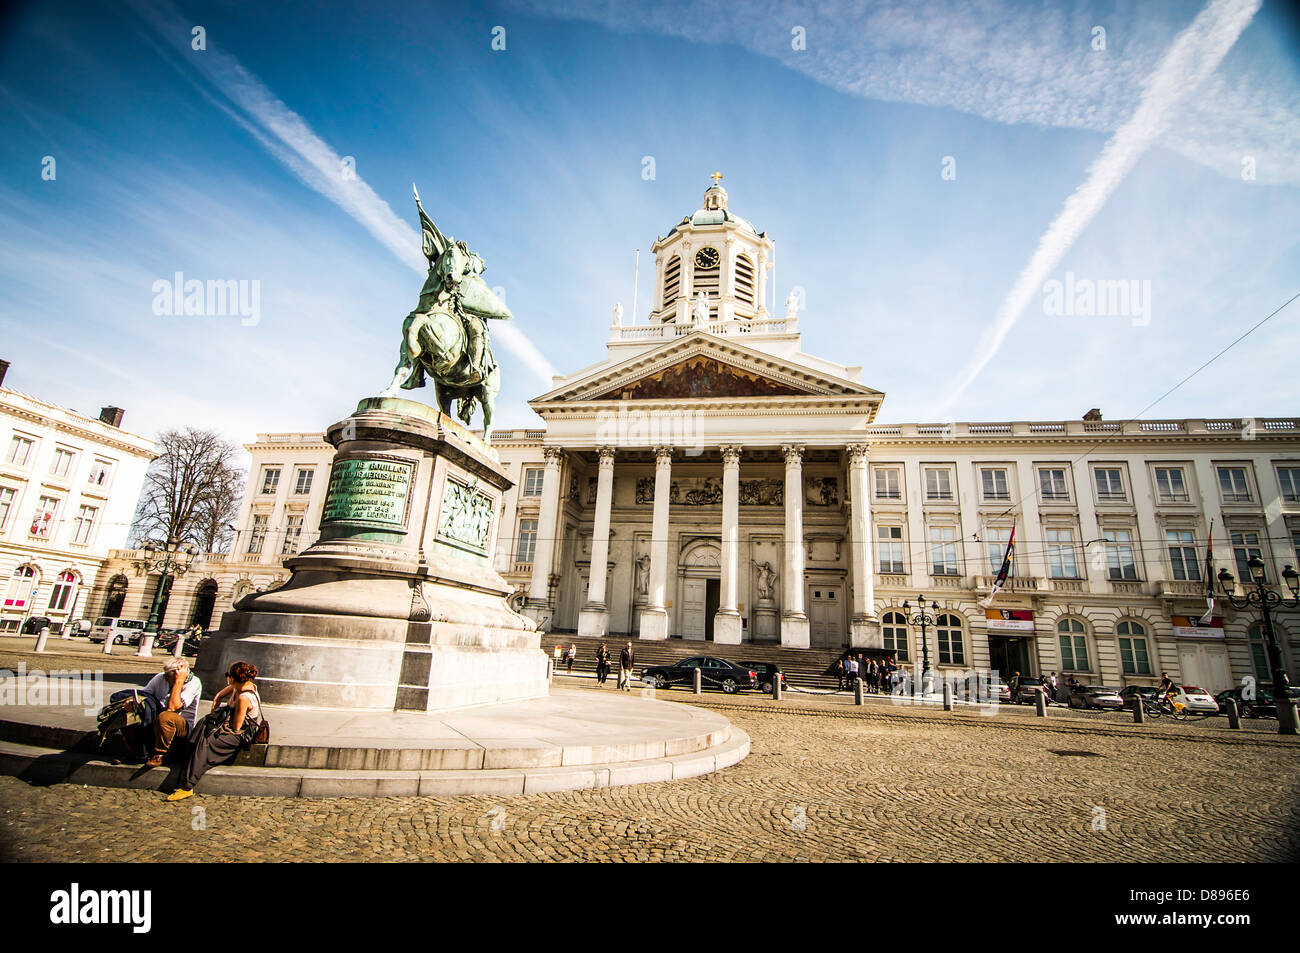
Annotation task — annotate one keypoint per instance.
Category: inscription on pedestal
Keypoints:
(372, 491)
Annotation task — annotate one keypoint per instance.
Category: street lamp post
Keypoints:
(1268, 599)
(922, 618)
(172, 558)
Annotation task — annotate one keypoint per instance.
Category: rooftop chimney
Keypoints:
(112, 416)
(4, 369)
(1094, 414)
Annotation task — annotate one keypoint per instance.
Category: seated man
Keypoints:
(176, 690)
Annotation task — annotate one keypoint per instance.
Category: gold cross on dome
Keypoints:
(716, 177)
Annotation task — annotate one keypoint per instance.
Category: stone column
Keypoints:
(726, 621)
(593, 617)
(538, 607)
(685, 292)
(864, 628)
(654, 617)
(760, 300)
(794, 622)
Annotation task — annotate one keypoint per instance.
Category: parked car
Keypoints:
(1003, 691)
(715, 672)
(77, 628)
(1196, 700)
(1095, 696)
(1129, 692)
(166, 642)
(1027, 690)
(34, 625)
(1259, 706)
(119, 630)
(766, 672)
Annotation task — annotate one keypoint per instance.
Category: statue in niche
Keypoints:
(767, 577)
(643, 574)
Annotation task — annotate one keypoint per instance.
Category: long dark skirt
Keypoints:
(212, 747)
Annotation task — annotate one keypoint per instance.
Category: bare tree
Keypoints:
(191, 491)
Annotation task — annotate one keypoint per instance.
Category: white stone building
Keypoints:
(68, 490)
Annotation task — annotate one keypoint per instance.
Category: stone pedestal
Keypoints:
(766, 621)
(396, 606)
(726, 627)
(654, 623)
(864, 633)
(593, 621)
(795, 632)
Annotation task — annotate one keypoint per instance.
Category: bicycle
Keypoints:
(1164, 706)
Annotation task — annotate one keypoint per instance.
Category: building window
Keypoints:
(61, 595)
(943, 551)
(258, 533)
(84, 524)
(996, 545)
(888, 485)
(894, 629)
(43, 522)
(1133, 655)
(745, 280)
(1060, 554)
(7, 495)
(1110, 484)
(1182, 554)
(1052, 485)
(302, 485)
(533, 481)
(1258, 653)
(292, 535)
(1289, 479)
(1120, 554)
(938, 484)
(62, 465)
(672, 280)
(951, 649)
(890, 544)
(1295, 539)
(527, 541)
(1233, 486)
(20, 587)
(1170, 485)
(20, 448)
(1074, 645)
(270, 479)
(994, 484)
(99, 471)
(1244, 547)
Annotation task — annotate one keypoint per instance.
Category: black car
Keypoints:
(1145, 692)
(714, 673)
(166, 642)
(1260, 706)
(766, 672)
(1027, 690)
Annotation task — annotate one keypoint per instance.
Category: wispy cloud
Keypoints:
(1194, 55)
(288, 137)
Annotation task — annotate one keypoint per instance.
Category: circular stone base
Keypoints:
(567, 741)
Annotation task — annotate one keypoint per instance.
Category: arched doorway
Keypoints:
(205, 599)
(116, 596)
(699, 582)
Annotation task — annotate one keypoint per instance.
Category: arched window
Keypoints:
(1133, 653)
(21, 584)
(1072, 635)
(63, 595)
(1259, 652)
(116, 596)
(952, 650)
(672, 280)
(745, 280)
(894, 629)
(205, 599)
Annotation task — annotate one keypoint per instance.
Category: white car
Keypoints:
(1197, 701)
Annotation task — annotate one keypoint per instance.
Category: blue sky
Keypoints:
(1120, 163)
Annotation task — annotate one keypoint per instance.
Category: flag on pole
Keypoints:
(1003, 571)
(1209, 577)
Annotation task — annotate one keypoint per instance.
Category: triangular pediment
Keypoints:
(702, 367)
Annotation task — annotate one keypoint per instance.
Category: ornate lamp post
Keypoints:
(922, 618)
(1267, 599)
(166, 559)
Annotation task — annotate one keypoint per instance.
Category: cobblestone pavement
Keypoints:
(822, 783)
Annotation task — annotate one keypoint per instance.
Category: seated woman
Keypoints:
(218, 738)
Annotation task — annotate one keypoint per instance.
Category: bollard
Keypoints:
(41, 637)
(108, 643)
(1288, 716)
(776, 687)
(1234, 716)
(550, 665)
(1040, 704)
(947, 695)
(857, 692)
(1139, 715)
(699, 682)
(146, 646)
(179, 647)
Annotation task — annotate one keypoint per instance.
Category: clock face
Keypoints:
(707, 258)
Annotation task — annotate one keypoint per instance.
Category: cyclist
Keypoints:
(1166, 689)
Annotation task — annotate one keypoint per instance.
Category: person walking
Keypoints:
(839, 673)
(571, 656)
(602, 664)
(626, 658)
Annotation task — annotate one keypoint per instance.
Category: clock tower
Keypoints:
(715, 254)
